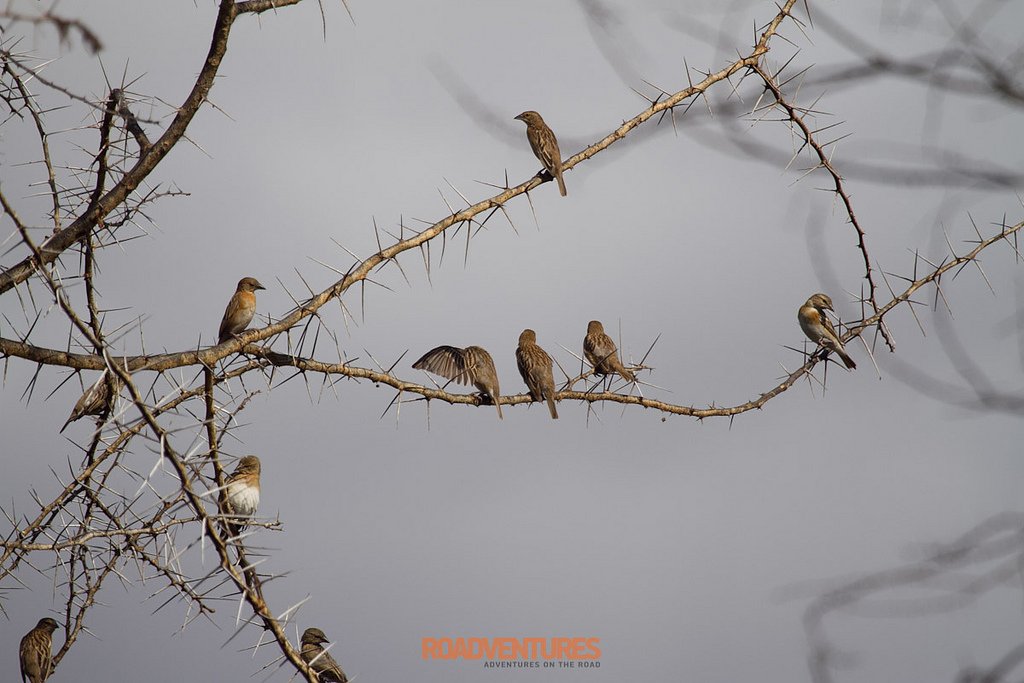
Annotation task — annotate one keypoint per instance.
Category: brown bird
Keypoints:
(96, 400)
(535, 367)
(601, 352)
(243, 492)
(819, 330)
(471, 365)
(241, 309)
(544, 145)
(36, 652)
(320, 659)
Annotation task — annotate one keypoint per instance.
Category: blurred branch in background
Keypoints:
(971, 65)
(943, 579)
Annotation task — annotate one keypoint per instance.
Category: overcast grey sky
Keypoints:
(677, 543)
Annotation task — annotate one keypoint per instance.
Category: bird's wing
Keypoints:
(522, 364)
(830, 331)
(603, 348)
(449, 362)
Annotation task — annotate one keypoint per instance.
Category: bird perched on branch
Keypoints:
(320, 659)
(243, 492)
(241, 309)
(544, 145)
(601, 352)
(471, 365)
(536, 368)
(97, 399)
(35, 652)
(819, 330)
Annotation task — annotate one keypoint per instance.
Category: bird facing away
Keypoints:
(471, 365)
(35, 652)
(324, 664)
(243, 491)
(819, 330)
(535, 367)
(544, 145)
(96, 399)
(241, 308)
(601, 353)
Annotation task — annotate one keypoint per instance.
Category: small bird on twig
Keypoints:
(243, 492)
(241, 309)
(35, 652)
(601, 352)
(536, 368)
(819, 330)
(544, 145)
(320, 659)
(96, 400)
(471, 365)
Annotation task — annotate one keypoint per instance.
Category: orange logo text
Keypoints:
(511, 648)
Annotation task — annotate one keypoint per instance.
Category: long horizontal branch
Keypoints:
(432, 393)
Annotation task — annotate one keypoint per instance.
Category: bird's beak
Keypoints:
(519, 118)
(259, 286)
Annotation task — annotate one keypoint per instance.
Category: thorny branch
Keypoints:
(151, 157)
(796, 116)
(127, 535)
